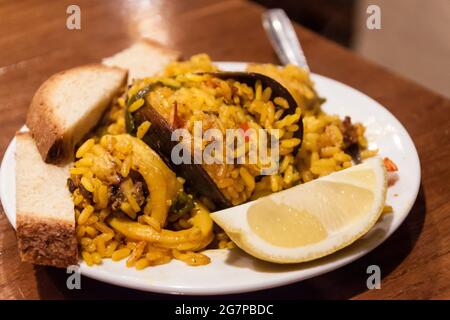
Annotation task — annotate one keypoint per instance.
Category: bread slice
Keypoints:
(143, 59)
(68, 105)
(45, 221)
(63, 110)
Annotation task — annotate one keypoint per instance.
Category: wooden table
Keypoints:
(35, 43)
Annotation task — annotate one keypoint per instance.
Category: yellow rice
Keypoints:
(322, 152)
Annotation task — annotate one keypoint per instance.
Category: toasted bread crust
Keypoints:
(43, 124)
(46, 129)
(46, 241)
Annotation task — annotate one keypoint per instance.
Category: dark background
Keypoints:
(330, 18)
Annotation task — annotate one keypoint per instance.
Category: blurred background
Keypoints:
(414, 39)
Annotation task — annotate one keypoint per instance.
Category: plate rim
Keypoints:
(105, 276)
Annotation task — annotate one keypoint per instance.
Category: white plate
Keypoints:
(233, 271)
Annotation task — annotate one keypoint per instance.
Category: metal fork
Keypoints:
(283, 38)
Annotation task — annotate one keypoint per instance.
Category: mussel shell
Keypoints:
(158, 137)
(278, 90)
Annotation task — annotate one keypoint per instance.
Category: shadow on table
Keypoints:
(343, 283)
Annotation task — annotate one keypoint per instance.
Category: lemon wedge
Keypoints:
(311, 220)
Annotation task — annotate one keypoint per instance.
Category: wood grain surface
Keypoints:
(35, 43)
